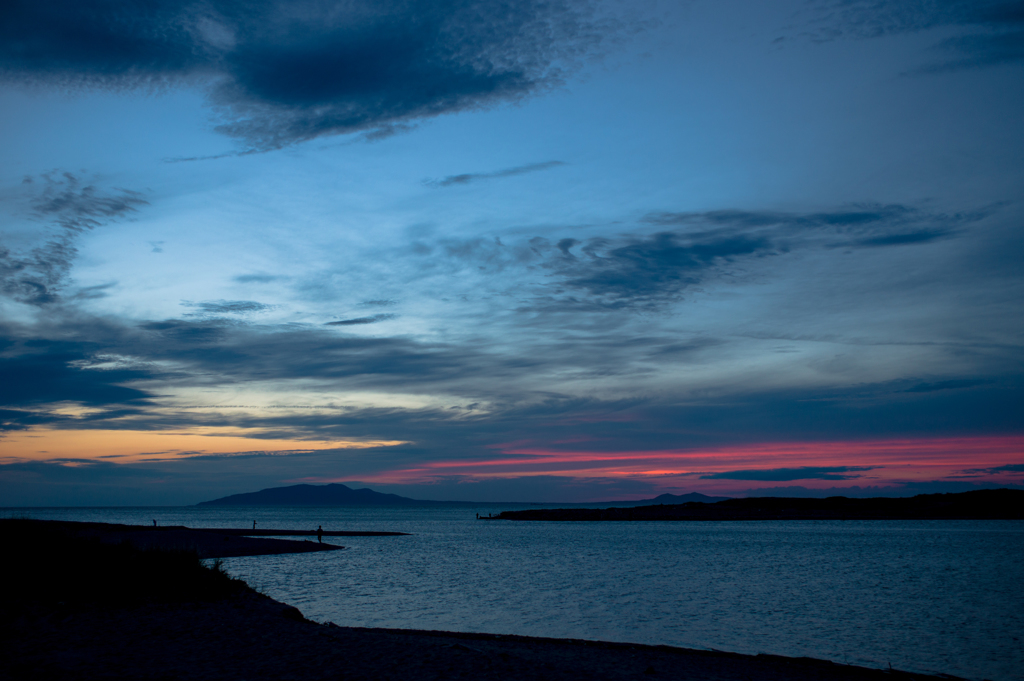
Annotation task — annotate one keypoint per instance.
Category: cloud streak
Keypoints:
(467, 178)
(645, 269)
(787, 474)
(358, 321)
(216, 308)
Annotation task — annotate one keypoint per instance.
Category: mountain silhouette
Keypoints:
(334, 494)
(679, 499)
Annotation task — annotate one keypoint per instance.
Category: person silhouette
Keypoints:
(320, 534)
(154, 523)
(254, 524)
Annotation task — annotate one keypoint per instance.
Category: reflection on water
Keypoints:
(927, 596)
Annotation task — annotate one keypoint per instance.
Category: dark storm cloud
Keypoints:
(67, 205)
(993, 30)
(785, 474)
(287, 72)
(362, 320)
(466, 178)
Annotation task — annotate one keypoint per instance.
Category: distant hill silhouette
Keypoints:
(680, 499)
(334, 494)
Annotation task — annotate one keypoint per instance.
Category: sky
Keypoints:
(542, 250)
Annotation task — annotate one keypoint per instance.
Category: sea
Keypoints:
(926, 596)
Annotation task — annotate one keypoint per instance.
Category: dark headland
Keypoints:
(76, 608)
(996, 504)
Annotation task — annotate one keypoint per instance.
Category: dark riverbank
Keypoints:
(997, 504)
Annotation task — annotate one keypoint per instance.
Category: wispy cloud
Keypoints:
(67, 205)
(1009, 468)
(75, 205)
(785, 474)
(357, 321)
(645, 269)
(466, 178)
(216, 308)
(952, 384)
(991, 30)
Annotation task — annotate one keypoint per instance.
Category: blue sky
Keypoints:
(531, 251)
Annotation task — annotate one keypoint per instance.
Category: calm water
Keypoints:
(925, 596)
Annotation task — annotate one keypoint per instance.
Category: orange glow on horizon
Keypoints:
(133, 446)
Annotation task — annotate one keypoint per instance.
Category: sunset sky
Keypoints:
(535, 250)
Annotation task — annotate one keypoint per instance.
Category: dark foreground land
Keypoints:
(994, 504)
(76, 608)
(214, 543)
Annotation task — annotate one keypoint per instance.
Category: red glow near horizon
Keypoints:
(890, 461)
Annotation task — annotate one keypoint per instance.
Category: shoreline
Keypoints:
(207, 543)
(250, 635)
(78, 608)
